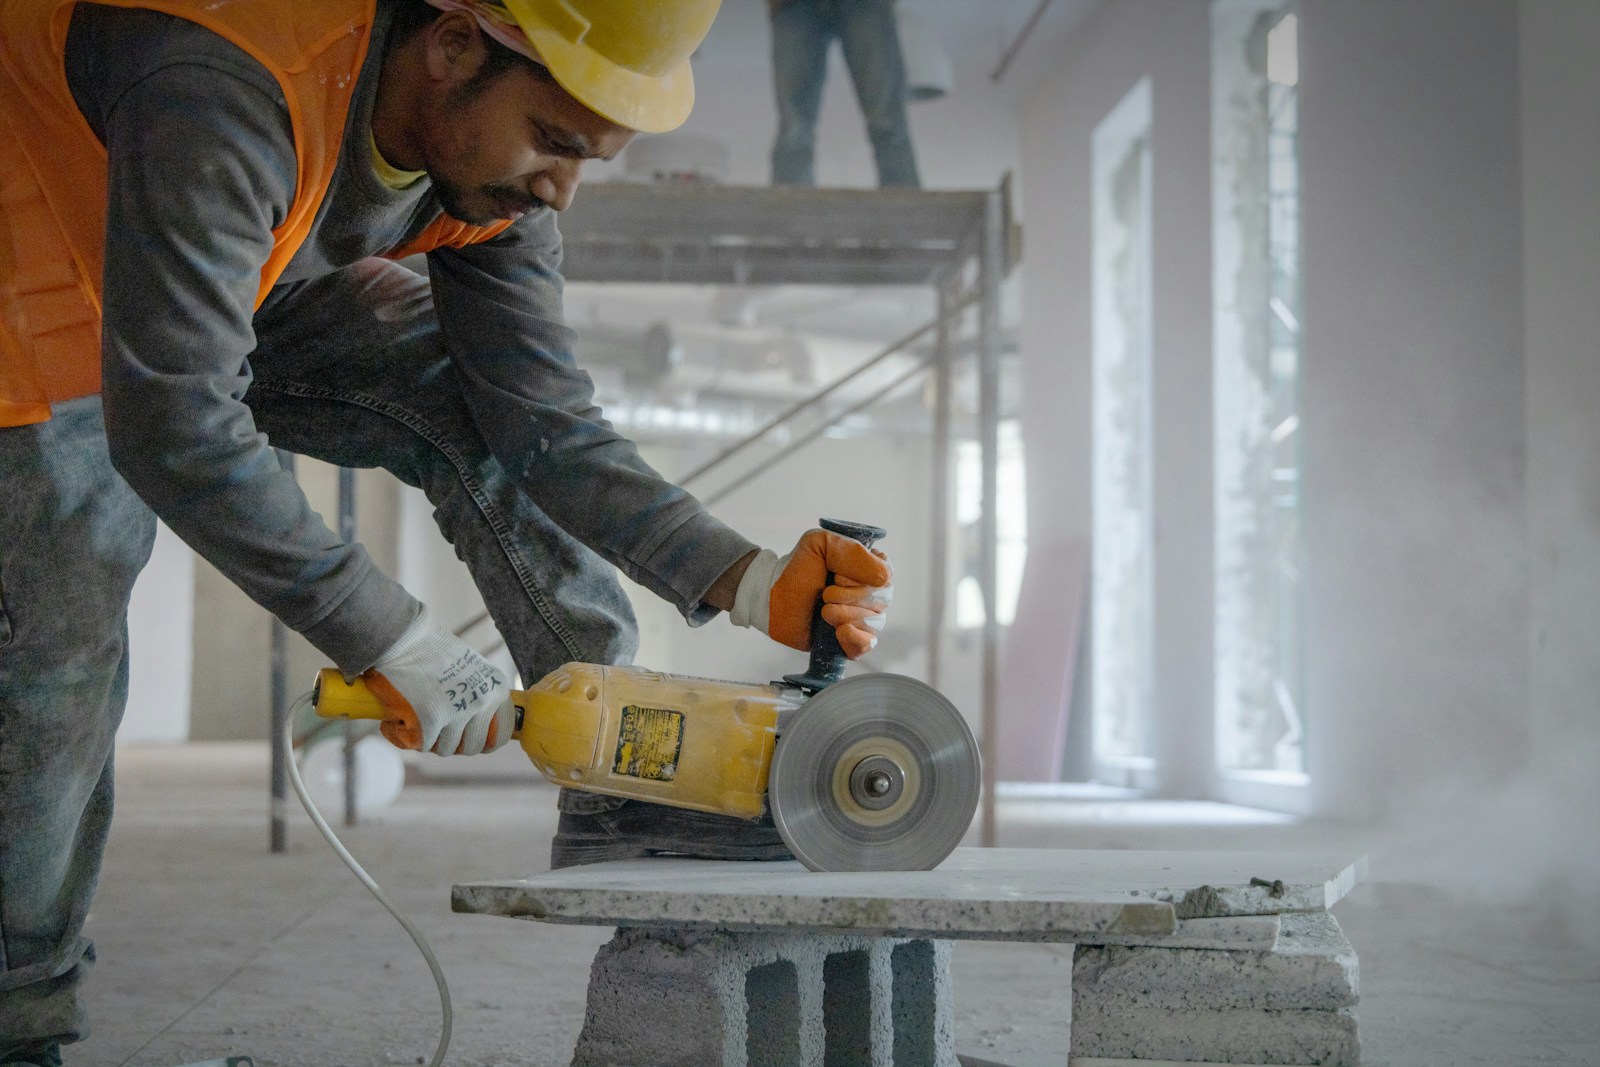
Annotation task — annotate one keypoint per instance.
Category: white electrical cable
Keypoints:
(350, 861)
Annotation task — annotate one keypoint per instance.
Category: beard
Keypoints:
(454, 199)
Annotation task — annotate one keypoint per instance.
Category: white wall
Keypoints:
(1560, 60)
(1121, 43)
(1451, 452)
(1457, 247)
(161, 644)
(1413, 398)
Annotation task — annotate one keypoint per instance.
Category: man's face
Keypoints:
(500, 147)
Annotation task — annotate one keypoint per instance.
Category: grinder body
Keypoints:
(631, 732)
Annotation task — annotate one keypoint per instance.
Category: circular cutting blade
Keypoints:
(875, 773)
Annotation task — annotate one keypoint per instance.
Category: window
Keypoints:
(1011, 521)
(1260, 546)
(1121, 598)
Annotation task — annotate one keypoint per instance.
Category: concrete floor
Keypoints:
(210, 946)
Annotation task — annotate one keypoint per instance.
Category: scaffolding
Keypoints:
(959, 243)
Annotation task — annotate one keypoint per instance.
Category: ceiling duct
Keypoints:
(676, 158)
(660, 355)
(930, 73)
(733, 359)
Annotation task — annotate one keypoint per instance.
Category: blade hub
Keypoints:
(877, 757)
(877, 782)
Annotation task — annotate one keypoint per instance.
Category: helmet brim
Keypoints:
(643, 102)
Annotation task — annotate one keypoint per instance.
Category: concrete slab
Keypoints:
(1097, 1061)
(978, 894)
(1257, 933)
(1314, 968)
(1240, 1035)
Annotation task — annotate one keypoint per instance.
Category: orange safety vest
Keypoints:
(53, 175)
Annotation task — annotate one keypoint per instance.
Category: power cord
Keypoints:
(322, 826)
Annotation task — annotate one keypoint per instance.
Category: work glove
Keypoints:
(439, 695)
(778, 594)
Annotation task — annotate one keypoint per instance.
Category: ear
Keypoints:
(454, 47)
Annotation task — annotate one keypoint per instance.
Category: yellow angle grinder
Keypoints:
(878, 772)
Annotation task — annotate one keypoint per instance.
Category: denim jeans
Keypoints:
(349, 368)
(73, 537)
(802, 31)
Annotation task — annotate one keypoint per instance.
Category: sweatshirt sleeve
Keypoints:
(201, 168)
(499, 307)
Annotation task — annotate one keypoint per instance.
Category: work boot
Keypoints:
(594, 828)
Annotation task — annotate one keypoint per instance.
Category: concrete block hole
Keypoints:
(913, 970)
(847, 1009)
(772, 1015)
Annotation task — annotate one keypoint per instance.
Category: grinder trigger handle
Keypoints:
(334, 698)
(827, 658)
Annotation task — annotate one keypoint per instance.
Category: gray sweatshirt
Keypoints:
(201, 168)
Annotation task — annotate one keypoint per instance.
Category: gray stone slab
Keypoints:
(977, 894)
(1096, 1061)
(1282, 883)
(1241, 1036)
(1312, 934)
(1312, 968)
(1257, 933)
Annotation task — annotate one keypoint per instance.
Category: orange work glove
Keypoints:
(778, 595)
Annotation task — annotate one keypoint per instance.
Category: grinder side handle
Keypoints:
(827, 658)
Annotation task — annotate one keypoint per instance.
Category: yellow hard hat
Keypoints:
(625, 60)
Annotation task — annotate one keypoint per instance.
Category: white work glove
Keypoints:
(777, 594)
(439, 695)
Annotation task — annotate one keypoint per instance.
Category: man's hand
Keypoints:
(777, 595)
(439, 695)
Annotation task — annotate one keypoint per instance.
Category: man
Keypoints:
(191, 200)
(802, 33)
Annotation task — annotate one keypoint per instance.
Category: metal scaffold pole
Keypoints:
(347, 531)
(939, 557)
(279, 696)
(990, 266)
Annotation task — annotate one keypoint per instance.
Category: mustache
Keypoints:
(518, 199)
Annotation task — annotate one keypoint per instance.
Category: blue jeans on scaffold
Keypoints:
(802, 31)
(349, 369)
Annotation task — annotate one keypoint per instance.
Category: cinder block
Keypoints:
(672, 998)
(1312, 967)
(1096, 1061)
(1234, 1036)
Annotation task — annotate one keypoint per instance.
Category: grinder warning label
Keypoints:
(648, 743)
